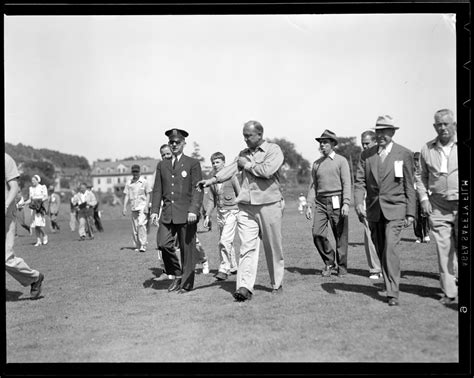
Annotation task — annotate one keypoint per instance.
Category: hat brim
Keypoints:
(379, 127)
(320, 139)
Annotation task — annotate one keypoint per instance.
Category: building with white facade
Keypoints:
(111, 176)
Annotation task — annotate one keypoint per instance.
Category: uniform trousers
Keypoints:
(325, 215)
(255, 223)
(85, 223)
(227, 224)
(386, 235)
(370, 250)
(139, 233)
(14, 265)
(186, 236)
(444, 226)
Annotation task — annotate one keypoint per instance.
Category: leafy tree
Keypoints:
(42, 168)
(197, 152)
(136, 157)
(348, 148)
(296, 162)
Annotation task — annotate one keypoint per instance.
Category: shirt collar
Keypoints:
(388, 148)
(177, 157)
(263, 147)
(332, 155)
(435, 142)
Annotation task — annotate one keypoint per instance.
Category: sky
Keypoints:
(110, 86)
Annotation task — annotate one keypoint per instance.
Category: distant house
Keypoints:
(111, 176)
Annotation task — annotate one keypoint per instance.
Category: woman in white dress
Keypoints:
(36, 202)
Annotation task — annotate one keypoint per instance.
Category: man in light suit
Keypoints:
(385, 172)
(175, 185)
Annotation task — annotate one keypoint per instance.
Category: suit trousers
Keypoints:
(370, 251)
(386, 235)
(227, 224)
(139, 233)
(444, 226)
(325, 215)
(14, 265)
(186, 236)
(255, 223)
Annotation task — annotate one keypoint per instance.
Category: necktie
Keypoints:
(383, 154)
(174, 163)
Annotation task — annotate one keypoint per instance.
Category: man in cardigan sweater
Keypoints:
(385, 172)
(330, 195)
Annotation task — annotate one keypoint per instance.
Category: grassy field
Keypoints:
(103, 302)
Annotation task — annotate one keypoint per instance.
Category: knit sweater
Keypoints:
(330, 176)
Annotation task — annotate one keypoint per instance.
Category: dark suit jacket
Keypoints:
(177, 189)
(394, 197)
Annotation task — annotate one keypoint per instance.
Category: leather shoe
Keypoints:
(392, 301)
(328, 269)
(277, 291)
(36, 287)
(220, 276)
(242, 294)
(175, 284)
(447, 300)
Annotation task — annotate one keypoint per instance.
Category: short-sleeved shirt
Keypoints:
(137, 192)
(11, 172)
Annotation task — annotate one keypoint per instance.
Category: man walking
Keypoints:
(137, 191)
(14, 265)
(438, 188)
(260, 208)
(385, 173)
(330, 195)
(175, 185)
(375, 272)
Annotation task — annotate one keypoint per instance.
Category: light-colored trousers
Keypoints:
(256, 222)
(370, 251)
(139, 233)
(14, 265)
(444, 226)
(227, 224)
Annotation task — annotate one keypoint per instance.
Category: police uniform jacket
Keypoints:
(177, 189)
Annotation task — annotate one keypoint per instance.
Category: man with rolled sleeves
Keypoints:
(175, 185)
(385, 172)
(438, 188)
(260, 205)
(330, 195)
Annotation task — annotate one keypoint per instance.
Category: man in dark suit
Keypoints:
(385, 172)
(175, 185)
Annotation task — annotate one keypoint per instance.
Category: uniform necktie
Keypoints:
(174, 163)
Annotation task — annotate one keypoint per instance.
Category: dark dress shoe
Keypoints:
(36, 287)
(328, 270)
(447, 300)
(220, 276)
(278, 291)
(392, 301)
(175, 284)
(242, 294)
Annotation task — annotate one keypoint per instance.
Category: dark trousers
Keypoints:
(421, 226)
(186, 236)
(325, 216)
(386, 235)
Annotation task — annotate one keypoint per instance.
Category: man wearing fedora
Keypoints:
(330, 196)
(385, 175)
(175, 185)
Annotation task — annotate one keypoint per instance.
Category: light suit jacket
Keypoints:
(393, 196)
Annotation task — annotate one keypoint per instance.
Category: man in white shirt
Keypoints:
(137, 192)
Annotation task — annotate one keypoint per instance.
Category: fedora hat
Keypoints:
(327, 134)
(385, 122)
(176, 134)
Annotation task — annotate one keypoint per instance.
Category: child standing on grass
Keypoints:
(222, 196)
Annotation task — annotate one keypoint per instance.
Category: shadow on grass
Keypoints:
(374, 291)
(414, 273)
(303, 271)
(355, 244)
(14, 296)
(132, 248)
(411, 240)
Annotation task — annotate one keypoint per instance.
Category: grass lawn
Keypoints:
(103, 302)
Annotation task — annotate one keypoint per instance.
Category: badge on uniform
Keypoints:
(184, 174)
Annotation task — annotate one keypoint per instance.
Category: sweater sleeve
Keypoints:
(346, 182)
